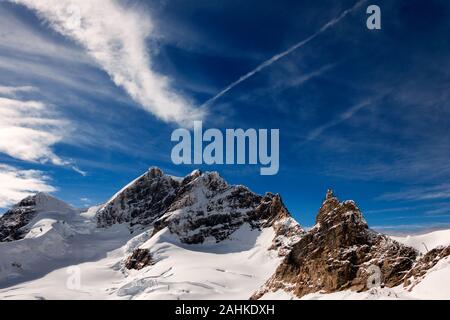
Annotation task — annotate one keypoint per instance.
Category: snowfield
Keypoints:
(43, 267)
(426, 242)
(232, 269)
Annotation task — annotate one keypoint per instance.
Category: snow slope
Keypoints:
(225, 270)
(56, 242)
(426, 242)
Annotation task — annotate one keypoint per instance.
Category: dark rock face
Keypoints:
(12, 223)
(428, 261)
(209, 208)
(140, 259)
(274, 214)
(142, 202)
(337, 254)
(200, 207)
(229, 210)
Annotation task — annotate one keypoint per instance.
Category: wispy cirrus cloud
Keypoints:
(348, 114)
(119, 49)
(16, 184)
(390, 210)
(435, 192)
(411, 229)
(29, 130)
(13, 91)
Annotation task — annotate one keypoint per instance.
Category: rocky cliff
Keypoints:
(340, 252)
(14, 220)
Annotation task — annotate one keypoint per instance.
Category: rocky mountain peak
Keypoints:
(29, 201)
(192, 176)
(333, 212)
(154, 172)
(329, 205)
(209, 180)
(195, 174)
(330, 194)
(208, 209)
(141, 202)
(200, 207)
(13, 224)
(338, 254)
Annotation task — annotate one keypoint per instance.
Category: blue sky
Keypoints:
(362, 111)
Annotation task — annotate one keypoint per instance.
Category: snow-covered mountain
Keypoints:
(200, 208)
(197, 237)
(15, 223)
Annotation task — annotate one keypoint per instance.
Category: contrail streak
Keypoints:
(277, 57)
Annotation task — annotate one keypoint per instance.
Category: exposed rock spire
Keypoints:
(337, 254)
(330, 194)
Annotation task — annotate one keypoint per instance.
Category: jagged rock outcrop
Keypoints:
(140, 259)
(12, 223)
(141, 202)
(425, 263)
(208, 208)
(340, 252)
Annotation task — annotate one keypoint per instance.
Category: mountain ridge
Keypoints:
(199, 207)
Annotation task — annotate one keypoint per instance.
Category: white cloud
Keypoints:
(435, 192)
(12, 91)
(24, 39)
(28, 131)
(16, 184)
(115, 37)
